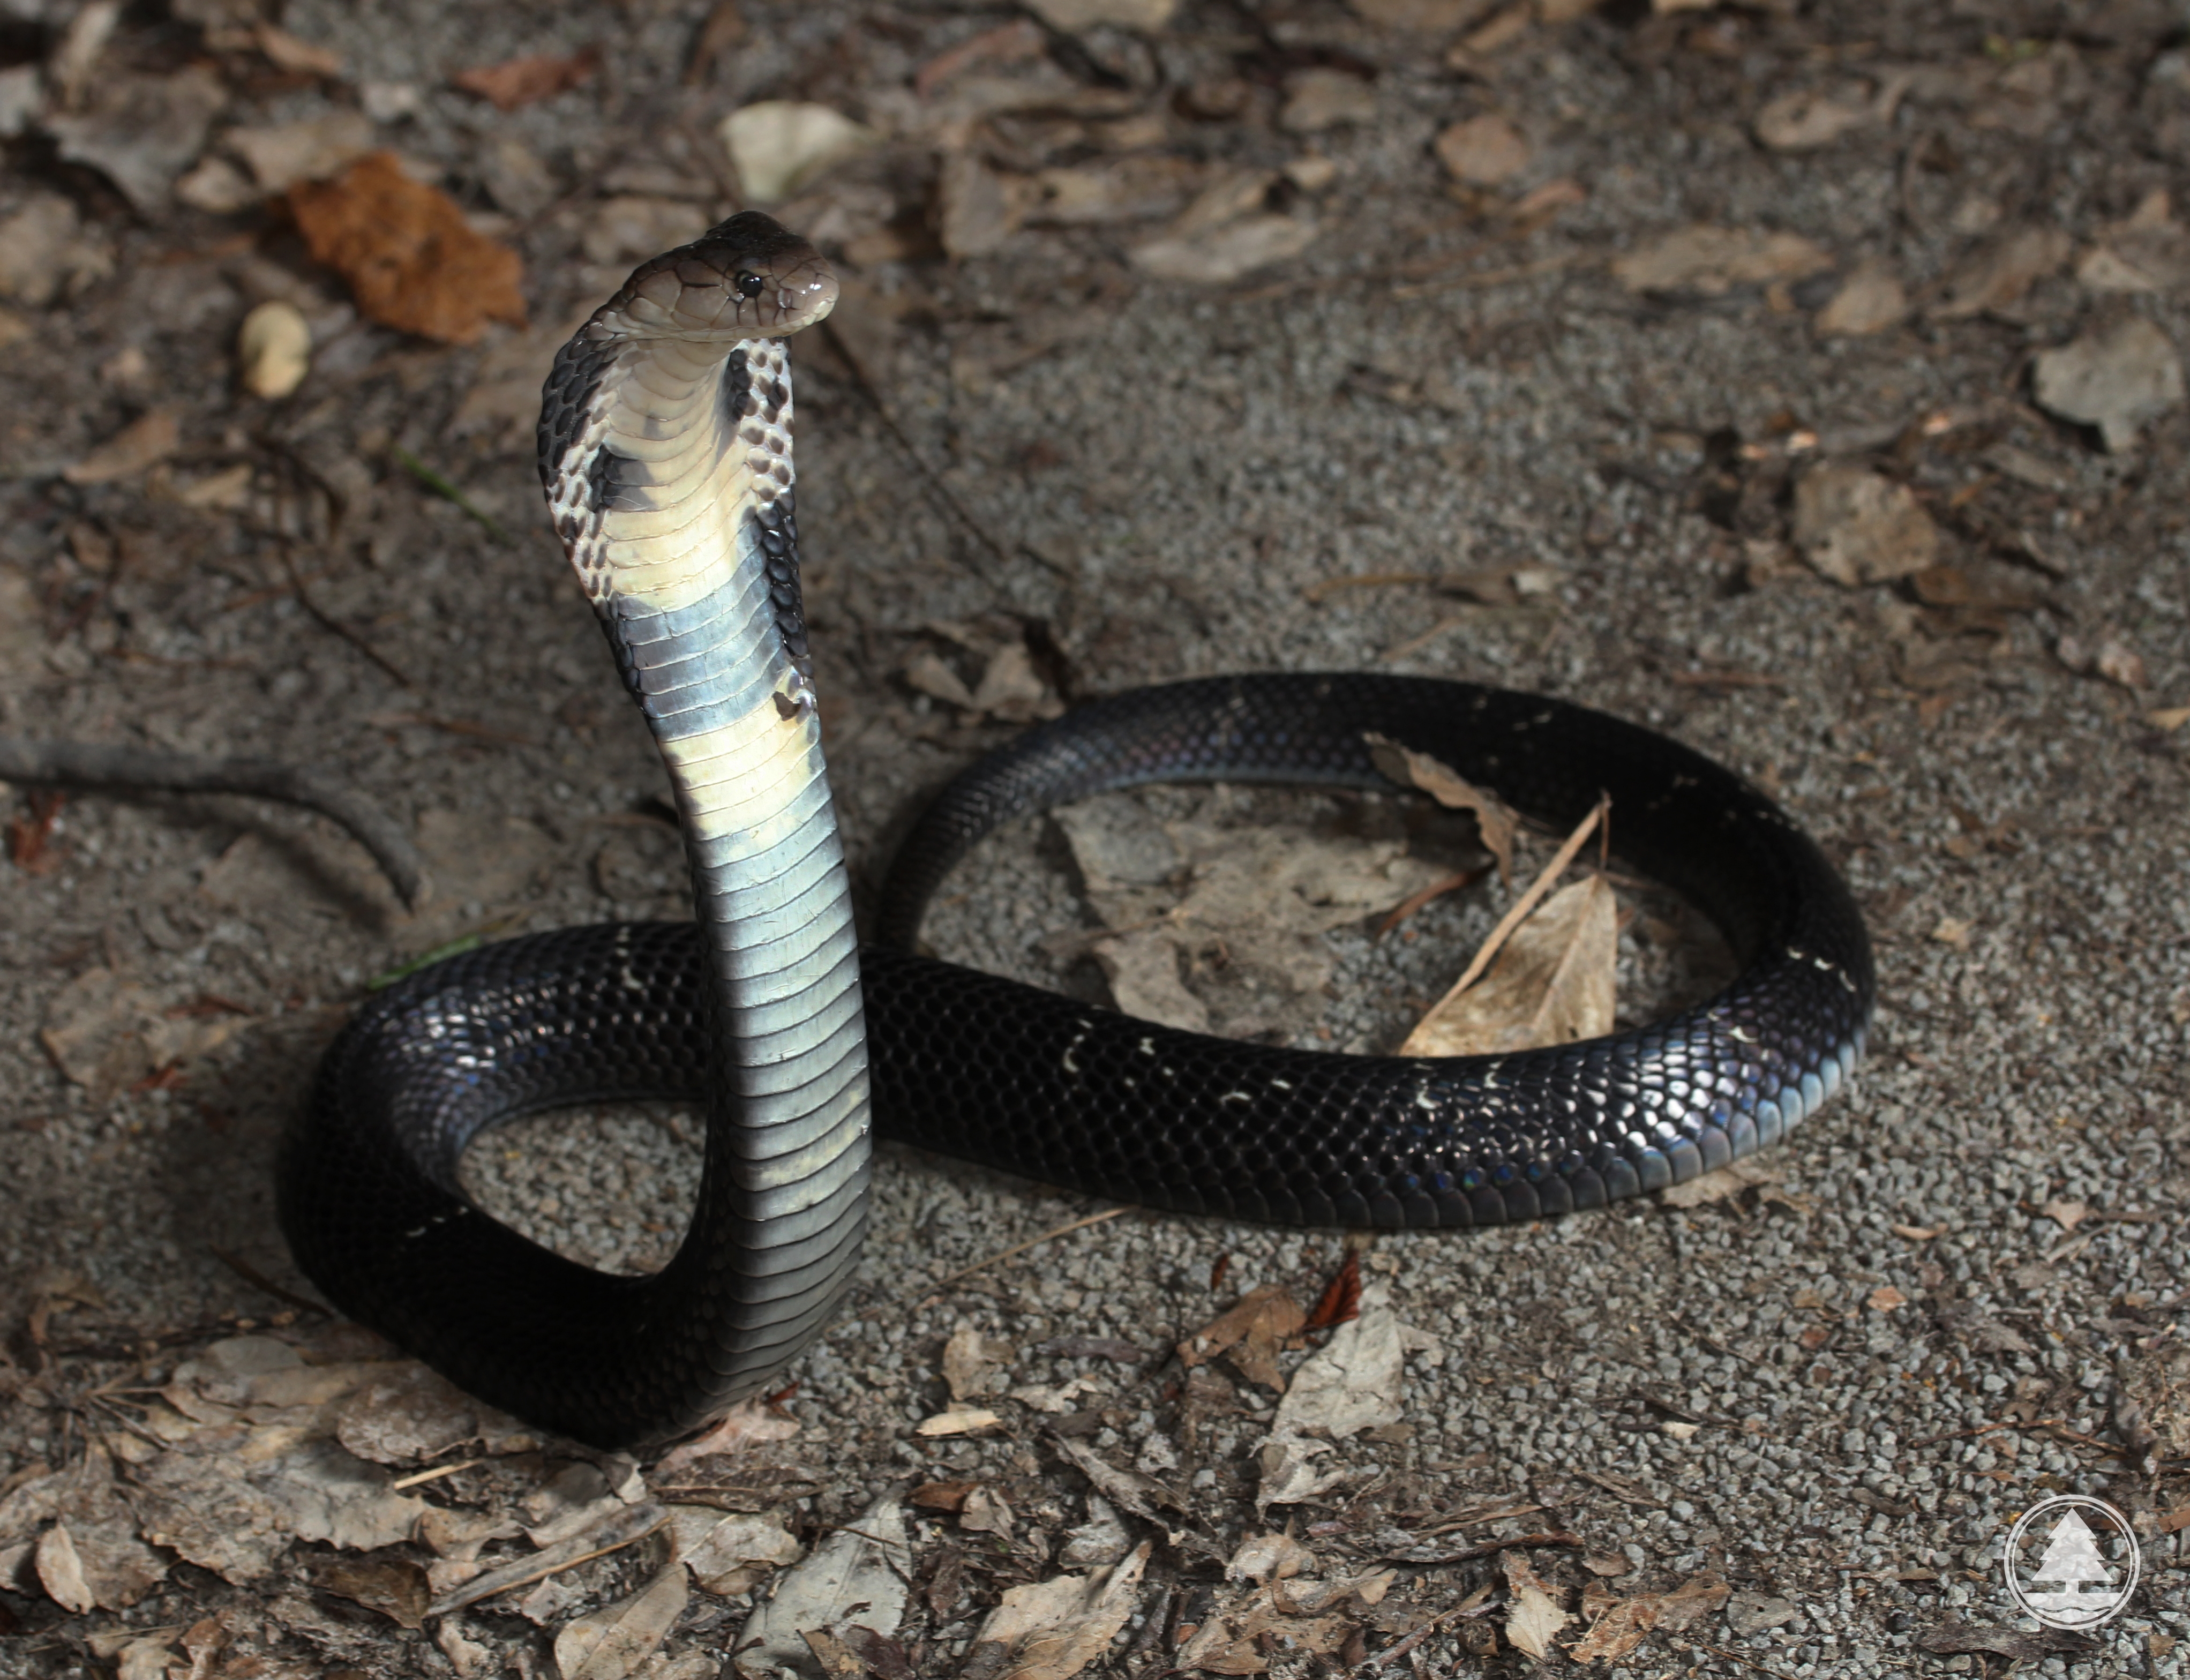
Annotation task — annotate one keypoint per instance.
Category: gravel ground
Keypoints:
(1138, 478)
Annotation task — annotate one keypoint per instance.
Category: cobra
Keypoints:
(665, 447)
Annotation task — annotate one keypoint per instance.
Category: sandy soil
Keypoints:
(1833, 1392)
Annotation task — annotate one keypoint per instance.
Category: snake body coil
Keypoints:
(665, 444)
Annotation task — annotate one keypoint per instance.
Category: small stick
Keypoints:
(1528, 900)
(1031, 1242)
(420, 1478)
(72, 764)
(334, 627)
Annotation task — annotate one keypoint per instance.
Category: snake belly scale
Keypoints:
(665, 451)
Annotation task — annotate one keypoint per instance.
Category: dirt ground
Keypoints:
(1800, 380)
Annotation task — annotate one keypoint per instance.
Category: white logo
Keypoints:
(2072, 1561)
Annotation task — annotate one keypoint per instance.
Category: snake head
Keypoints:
(749, 277)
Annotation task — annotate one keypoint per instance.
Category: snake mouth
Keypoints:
(748, 277)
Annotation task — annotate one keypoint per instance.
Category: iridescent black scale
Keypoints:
(1004, 1074)
(775, 531)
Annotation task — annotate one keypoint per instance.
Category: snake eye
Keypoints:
(749, 283)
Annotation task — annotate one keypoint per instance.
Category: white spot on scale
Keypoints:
(1235, 1097)
(1741, 1035)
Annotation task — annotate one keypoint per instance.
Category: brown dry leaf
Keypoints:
(141, 131)
(1226, 254)
(1051, 1630)
(284, 153)
(1871, 299)
(1497, 820)
(2150, 252)
(105, 1032)
(1317, 99)
(2115, 378)
(412, 261)
(1556, 981)
(1141, 968)
(730, 1553)
(748, 1424)
(1143, 1497)
(1884, 1299)
(779, 146)
(1265, 1320)
(1264, 1558)
(1690, 1601)
(1288, 1474)
(1533, 1614)
(615, 1640)
(972, 1362)
(150, 439)
(1616, 1628)
(1483, 151)
(978, 209)
(856, 1571)
(1296, 1619)
(1996, 275)
(61, 1571)
(2067, 1215)
(527, 80)
(1712, 260)
(1806, 121)
(1730, 1180)
(1010, 690)
(1856, 526)
(958, 1421)
(46, 252)
(1354, 1381)
(1072, 16)
(284, 51)
(395, 1586)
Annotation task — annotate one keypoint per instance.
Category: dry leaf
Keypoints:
(1423, 17)
(1355, 1380)
(412, 261)
(141, 131)
(1142, 968)
(729, 1552)
(1269, 1557)
(1953, 930)
(1555, 982)
(1215, 259)
(1712, 260)
(525, 81)
(1804, 122)
(1996, 275)
(145, 440)
(45, 253)
(1250, 1334)
(1051, 1630)
(61, 1571)
(2114, 378)
(1497, 820)
(1717, 1185)
(2067, 1215)
(1533, 1615)
(1870, 300)
(978, 209)
(613, 1641)
(1319, 99)
(959, 1420)
(395, 1586)
(779, 145)
(1483, 150)
(854, 1571)
(1289, 1475)
(285, 153)
(1885, 1299)
(972, 1362)
(284, 51)
(1072, 16)
(1856, 526)
(2150, 252)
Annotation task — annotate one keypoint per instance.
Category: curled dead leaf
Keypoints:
(411, 259)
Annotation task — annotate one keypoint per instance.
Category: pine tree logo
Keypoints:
(2072, 1561)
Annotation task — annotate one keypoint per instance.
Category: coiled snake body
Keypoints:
(665, 444)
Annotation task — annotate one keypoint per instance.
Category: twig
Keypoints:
(1031, 1242)
(1436, 889)
(420, 1478)
(334, 627)
(613, 1536)
(1461, 1612)
(258, 1280)
(72, 764)
(930, 480)
(1528, 900)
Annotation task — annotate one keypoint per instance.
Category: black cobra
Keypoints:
(665, 446)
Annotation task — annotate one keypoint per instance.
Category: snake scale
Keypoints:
(665, 447)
